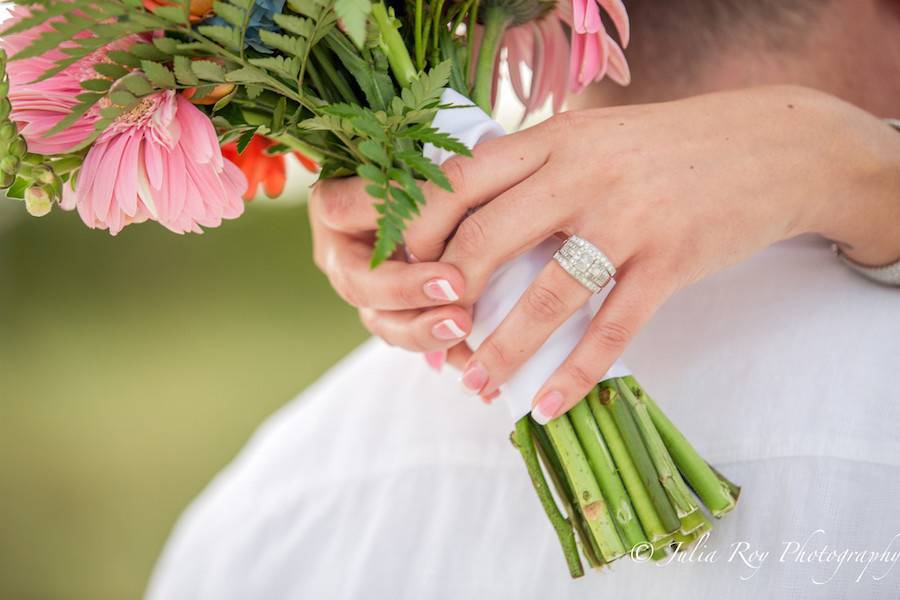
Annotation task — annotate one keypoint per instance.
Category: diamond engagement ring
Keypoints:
(586, 263)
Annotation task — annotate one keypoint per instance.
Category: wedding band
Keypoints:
(586, 263)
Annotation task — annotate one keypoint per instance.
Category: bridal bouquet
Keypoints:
(175, 111)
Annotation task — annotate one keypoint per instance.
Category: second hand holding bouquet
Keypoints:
(118, 108)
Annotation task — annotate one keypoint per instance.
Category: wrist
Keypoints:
(862, 211)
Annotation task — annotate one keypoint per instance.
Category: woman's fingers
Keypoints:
(495, 166)
(394, 285)
(546, 304)
(505, 228)
(343, 205)
(419, 331)
(639, 291)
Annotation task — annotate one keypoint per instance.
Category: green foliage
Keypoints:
(389, 141)
(354, 14)
(331, 89)
(158, 74)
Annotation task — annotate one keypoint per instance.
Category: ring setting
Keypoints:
(586, 263)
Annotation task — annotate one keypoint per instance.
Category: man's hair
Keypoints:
(679, 34)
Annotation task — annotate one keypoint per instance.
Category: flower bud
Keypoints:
(4, 89)
(7, 131)
(6, 180)
(5, 108)
(38, 201)
(44, 174)
(9, 164)
(18, 148)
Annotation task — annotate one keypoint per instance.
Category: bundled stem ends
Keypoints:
(622, 471)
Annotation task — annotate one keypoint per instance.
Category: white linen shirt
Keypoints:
(385, 480)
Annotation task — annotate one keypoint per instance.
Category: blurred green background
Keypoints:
(131, 370)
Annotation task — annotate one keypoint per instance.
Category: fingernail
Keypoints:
(440, 289)
(488, 398)
(447, 330)
(547, 407)
(410, 257)
(436, 359)
(474, 378)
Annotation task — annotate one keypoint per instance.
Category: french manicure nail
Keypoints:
(440, 289)
(447, 330)
(474, 378)
(547, 407)
(436, 359)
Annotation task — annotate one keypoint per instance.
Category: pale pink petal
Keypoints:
(619, 16)
(618, 66)
(592, 22)
(579, 9)
(126, 182)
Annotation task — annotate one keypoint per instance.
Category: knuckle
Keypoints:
(408, 296)
(562, 122)
(456, 174)
(610, 336)
(495, 354)
(579, 376)
(543, 304)
(332, 211)
(470, 236)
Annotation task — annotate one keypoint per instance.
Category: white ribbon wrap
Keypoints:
(471, 126)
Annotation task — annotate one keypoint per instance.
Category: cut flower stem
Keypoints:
(623, 475)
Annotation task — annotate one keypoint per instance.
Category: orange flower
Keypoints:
(199, 8)
(259, 167)
(218, 92)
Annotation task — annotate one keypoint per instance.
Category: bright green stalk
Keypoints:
(564, 491)
(639, 455)
(605, 471)
(640, 499)
(394, 46)
(496, 20)
(522, 440)
(681, 497)
(714, 493)
(420, 47)
(437, 23)
(585, 487)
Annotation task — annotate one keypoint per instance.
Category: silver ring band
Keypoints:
(586, 263)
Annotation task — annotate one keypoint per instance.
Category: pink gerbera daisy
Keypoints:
(38, 106)
(161, 161)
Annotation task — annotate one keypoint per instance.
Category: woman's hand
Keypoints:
(670, 192)
(390, 298)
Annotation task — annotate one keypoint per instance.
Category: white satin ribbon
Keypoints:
(471, 126)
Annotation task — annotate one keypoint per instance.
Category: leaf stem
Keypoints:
(585, 487)
(681, 497)
(605, 471)
(496, 20)
(715, 494)
(631, 477)
(564, 492)
(522, 440)
(394, 46)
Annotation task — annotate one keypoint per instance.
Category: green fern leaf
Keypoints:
(158, 74)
